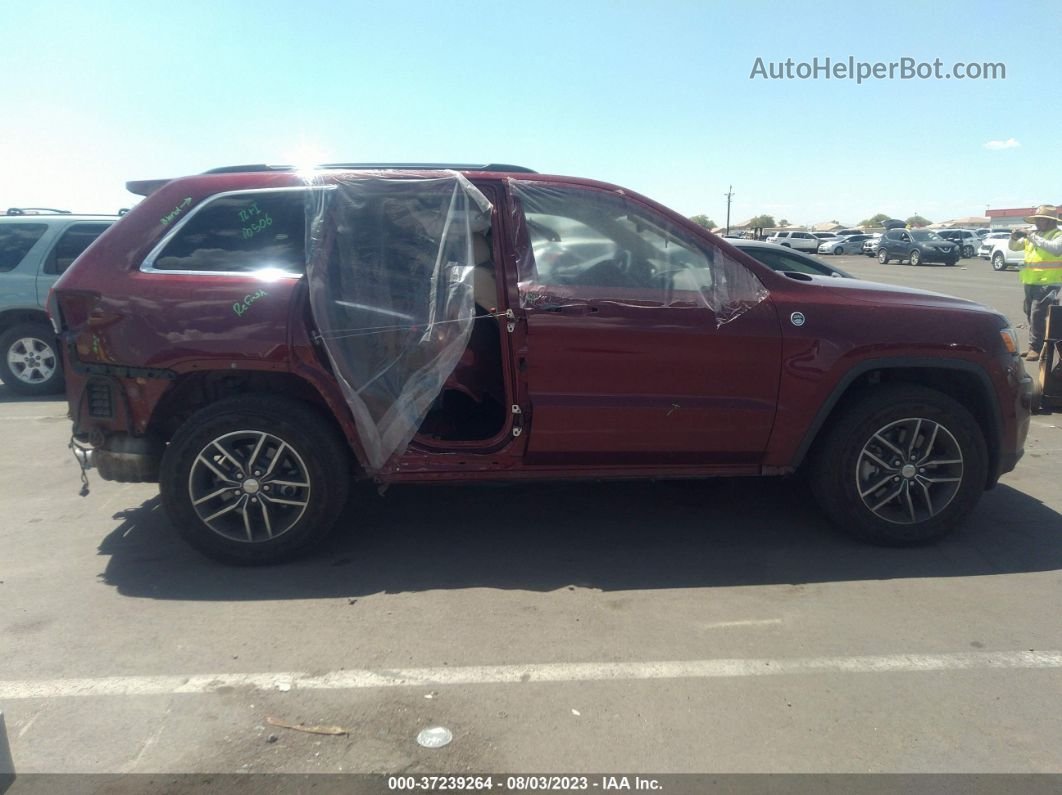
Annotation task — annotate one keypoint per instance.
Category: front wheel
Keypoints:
(916, 257)
(999, 261)
(883, 256)
(254, 479)
(29, 360)
(903, 465)
(838, 251)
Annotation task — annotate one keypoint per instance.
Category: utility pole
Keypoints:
(728, 194)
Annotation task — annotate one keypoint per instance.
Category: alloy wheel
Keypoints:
(32, 360)
(249, 486)
(909, 471)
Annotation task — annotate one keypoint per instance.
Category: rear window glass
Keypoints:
(241, 233)
(15, 242)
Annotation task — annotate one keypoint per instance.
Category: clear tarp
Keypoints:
(579, 245)
(390, 271)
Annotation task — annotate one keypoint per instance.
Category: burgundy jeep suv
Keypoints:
(256, 338)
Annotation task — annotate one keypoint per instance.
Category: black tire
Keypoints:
(838, 251)
(30, 363)
(967, 251)
(999, 261)
(916, 257)
(309, 467)
(883, 256)
(889, 502)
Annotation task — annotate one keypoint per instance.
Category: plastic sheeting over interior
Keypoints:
(389, 267)
(578, 245)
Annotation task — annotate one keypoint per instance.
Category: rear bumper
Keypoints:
(122, 458)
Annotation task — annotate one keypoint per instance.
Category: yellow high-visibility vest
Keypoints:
(1041, 266)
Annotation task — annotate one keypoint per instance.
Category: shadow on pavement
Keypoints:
(613, 536)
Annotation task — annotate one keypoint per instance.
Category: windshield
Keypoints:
(922, 235)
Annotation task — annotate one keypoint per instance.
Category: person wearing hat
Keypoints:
(1042, 272)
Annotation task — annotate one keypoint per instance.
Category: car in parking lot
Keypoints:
(256, 338)
(966, 240)
(850, 244)
(871, 244)
(996, 249)
(784, 259)
(984, 251)
(917, 246)
(36, 246)
(801, 241)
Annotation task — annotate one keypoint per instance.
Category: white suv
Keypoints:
(801, 241)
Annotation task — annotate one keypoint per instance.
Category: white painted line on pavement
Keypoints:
(534, 672)
(757, 622)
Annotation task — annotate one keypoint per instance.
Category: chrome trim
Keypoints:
(148, 265)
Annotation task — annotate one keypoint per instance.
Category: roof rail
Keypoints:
(377, 166)
(35, 211)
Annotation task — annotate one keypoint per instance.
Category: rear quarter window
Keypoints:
(240, 233)
(15, 242)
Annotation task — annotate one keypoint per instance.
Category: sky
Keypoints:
(659, 97)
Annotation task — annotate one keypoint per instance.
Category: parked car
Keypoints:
(848, 232)
(852, 244)
(966, 240)
(255, 339)
(787, 260)
(871, 245)
(999, 253)
(36, 246)
(917, 246)
(801, 241)
(988, 243)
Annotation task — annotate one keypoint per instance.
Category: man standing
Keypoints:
(1042, 272)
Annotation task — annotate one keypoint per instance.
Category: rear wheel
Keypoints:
(903, 465)
(29, 360)
(254, 480)
(967, 251)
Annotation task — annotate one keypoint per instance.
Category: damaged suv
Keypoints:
(257, 338)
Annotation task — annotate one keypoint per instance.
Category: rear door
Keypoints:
(644, 344)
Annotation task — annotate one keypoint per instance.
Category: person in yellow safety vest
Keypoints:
(1042, 272)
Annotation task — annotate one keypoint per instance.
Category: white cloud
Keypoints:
(1010, 143)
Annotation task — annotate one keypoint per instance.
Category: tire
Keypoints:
(838, 251)
(883, 256)
(951, 263)
(916, 257)
(999, 261)
(250, 524)
(30, 363)
(880, 499)
(968, 252)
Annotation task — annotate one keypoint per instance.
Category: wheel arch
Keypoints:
(12, 317)
(964, 382)
(194, 391)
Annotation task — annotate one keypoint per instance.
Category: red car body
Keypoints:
(594, 390)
